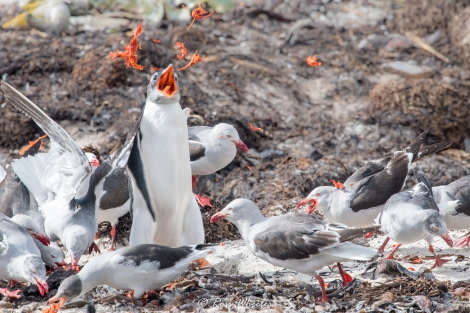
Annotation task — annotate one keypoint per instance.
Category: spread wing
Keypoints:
(63, 168)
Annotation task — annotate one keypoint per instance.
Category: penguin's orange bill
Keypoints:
(167, 83)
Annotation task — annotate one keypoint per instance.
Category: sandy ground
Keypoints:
(234, 258)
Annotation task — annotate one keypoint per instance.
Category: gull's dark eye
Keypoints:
(155, 77)
(228, 136)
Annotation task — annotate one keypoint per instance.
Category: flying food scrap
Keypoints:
(312, 61)
(199, 14)
(182, 52)
(130, 51)
(31, 144)
(196, 58)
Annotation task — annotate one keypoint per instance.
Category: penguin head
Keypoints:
(163, 87)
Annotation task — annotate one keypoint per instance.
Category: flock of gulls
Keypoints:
(63, 193)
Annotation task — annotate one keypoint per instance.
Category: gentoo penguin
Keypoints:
(164, 209)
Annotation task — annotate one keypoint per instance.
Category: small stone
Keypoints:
(270, 290)
(466, 143)
(408, 70)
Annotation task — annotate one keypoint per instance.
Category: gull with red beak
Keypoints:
(212, 148)
(413, 215)
(164, 209)
(32, 227)
(51, 253)
(358, 201)
(63, 181)
(299, 242)
(55, 179)
(138, 268)
(20, 259)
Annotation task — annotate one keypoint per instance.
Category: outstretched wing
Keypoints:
(63, 168)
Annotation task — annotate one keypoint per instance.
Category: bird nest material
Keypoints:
(220, 231)
(425, 104)
(434, 14)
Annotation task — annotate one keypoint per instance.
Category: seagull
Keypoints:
(413, 215)
(359, 200)
(14, 196)
(20, 259)
(300, 242)
(114, 193)
(138, 268)
(63, 181)
(51, 254)
(55, 179)
(161, 171)
(456, 216)
(20, 206)
(211, 149)
(116, 200)
(31, 227)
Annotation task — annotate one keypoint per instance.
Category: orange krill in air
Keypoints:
(182, 52)
(199, 14)
(130, 51)
(196, 58)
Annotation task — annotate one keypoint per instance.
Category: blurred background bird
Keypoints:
(50, 16)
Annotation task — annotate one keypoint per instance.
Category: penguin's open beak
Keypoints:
(167, 83)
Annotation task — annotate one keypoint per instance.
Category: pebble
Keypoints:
(408, 70)
(31, 307)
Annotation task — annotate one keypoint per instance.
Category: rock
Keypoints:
(99, 22)
(31, 307)
(466, 142)
(423, 302)
(392, 269)
(398, 43)
(408, 70)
